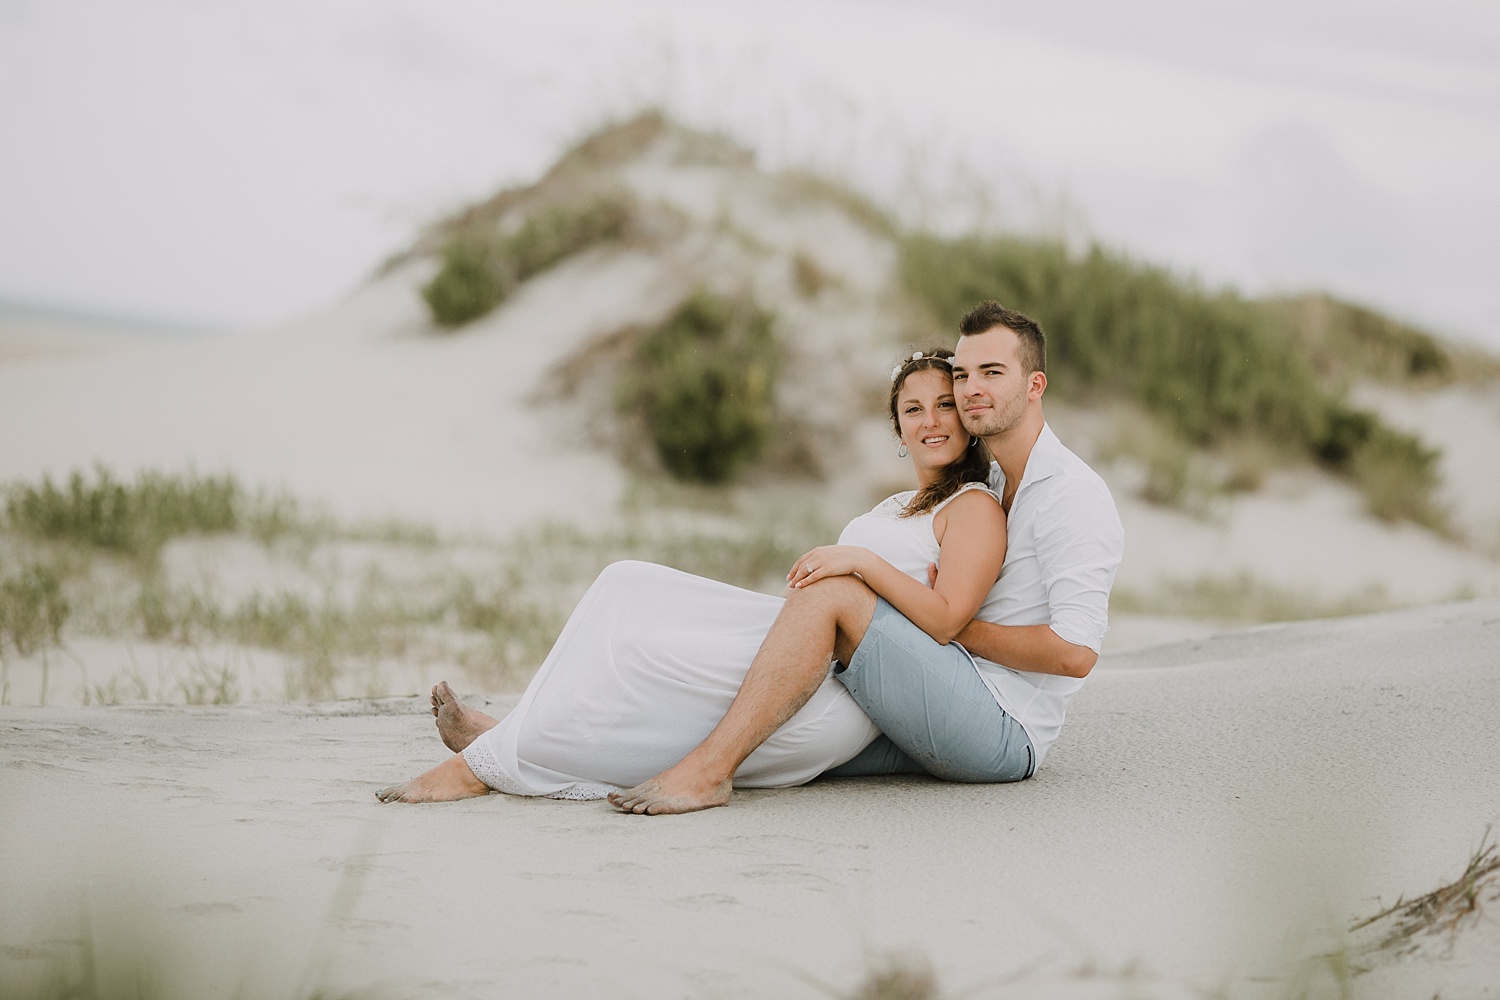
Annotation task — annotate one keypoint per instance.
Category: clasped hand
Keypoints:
(828, 560)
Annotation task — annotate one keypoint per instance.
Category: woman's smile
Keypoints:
(930, 427)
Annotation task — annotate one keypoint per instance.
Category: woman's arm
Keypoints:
(972, 550)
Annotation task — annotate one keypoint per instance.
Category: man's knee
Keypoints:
(850, 604)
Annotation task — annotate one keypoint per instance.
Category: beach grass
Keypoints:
(1211, 365)
(481, 266)
(1446, 910)
(1240, 598)
(131, 518)
(335, 600)
(33, 608)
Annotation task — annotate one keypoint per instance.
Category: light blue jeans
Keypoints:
(928, 699)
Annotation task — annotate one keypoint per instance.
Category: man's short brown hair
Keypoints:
(989, 314)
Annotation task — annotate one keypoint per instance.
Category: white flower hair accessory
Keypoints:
(916, 356)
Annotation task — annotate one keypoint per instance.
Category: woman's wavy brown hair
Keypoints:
(973, 466)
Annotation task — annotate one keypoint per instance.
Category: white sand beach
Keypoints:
(1214, 817)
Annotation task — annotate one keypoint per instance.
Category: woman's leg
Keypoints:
(449, 781)
(457, 723)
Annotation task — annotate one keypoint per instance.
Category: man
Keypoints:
(942, 712)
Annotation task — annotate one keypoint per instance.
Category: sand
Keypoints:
(1215, 812)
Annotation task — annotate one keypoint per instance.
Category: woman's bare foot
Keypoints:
(457, 723)
(679, 789)
(449, 781)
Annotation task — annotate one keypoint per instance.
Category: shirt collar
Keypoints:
(1044, 461)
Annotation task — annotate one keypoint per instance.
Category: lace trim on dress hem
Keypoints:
(488, 770)
(582, 791)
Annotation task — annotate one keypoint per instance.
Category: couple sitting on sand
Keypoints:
(959, 619)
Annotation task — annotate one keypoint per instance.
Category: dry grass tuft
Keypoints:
(1447, 908)
(898, 978)
(809, 276)
(1241, 598)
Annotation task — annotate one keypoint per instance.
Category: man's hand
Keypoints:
(932, 575)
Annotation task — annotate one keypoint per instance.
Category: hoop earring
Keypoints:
(973, 440)
(901, 451)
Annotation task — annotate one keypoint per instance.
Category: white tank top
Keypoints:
(907, 543)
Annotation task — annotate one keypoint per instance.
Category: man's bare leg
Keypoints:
(830, 616)
(457, 723)
(449, 781)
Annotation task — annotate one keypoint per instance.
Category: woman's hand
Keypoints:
(828, 560)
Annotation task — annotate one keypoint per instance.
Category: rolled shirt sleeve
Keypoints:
(1079, 545)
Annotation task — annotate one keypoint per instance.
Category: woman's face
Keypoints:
(930, 426)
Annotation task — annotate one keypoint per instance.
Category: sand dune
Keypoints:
(367, 409)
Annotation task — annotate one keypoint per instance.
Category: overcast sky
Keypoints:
(236, 164)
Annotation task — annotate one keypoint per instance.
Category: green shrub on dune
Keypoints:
(704, 382)
(481, 268)
(470, 283)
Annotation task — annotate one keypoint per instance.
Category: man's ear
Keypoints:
(1038, 385)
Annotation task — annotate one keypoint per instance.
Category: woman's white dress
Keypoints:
(648, 664)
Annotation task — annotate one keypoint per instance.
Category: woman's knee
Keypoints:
(839, 590)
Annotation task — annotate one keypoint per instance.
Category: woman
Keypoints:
(651, 658)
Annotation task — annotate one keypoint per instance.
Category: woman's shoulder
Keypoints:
(971, 488)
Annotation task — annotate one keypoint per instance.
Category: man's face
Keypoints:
(989, 383)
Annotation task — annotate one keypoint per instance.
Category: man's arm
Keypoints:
(1079, 544)
(1034, 648)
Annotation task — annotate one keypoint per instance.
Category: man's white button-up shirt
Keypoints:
(1063, 545)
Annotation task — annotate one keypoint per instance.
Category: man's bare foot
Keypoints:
(457, 723)
(449, 781)
(679, 789)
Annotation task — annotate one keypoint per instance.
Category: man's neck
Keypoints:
(1012, 448)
